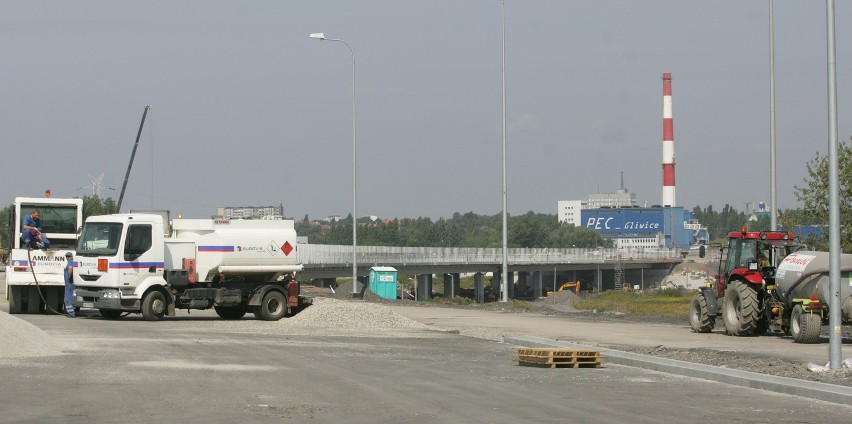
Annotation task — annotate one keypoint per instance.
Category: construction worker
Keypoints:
(31, 231)
(69, 285)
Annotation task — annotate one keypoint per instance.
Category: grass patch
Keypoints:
(458, 300)
(521, 304)
(668, 302)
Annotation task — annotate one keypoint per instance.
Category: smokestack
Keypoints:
(668, 144)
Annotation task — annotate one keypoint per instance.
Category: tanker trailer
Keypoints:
(802, 293)
(146, 263)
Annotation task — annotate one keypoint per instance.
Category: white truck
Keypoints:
(34, 278)
(150, 264)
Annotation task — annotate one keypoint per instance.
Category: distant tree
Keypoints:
(815, 200)
(5, 217)
(94, 205)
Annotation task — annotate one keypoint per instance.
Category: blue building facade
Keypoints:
(664, 225)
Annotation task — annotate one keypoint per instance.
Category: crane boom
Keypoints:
(132, 156)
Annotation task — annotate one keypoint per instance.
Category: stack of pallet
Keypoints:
(559, 357)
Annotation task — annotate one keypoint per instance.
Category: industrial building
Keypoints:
(617, 217)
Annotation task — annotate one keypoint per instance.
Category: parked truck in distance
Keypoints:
(150, 264)
(34, 277)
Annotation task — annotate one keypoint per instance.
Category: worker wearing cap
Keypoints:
(69, 285)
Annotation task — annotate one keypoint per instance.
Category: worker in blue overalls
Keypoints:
(69, 285)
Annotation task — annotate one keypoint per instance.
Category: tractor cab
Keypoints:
(752, 257)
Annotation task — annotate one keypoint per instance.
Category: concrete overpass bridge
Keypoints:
(533, 271)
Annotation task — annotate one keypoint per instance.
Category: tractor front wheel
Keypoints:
(740, 309)
(699, 318)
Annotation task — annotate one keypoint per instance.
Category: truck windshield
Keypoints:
(99, 239)
(54, 219)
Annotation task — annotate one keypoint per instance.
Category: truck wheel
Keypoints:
(230, 312)
(154, 306)
(804, 326)
(740, 309)
(110, 313)
(273, 306)
(699, 318)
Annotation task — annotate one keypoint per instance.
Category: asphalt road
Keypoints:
(199, 369)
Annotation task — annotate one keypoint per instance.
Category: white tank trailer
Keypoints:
(802, 287)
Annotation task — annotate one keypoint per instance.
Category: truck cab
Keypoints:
(120, 258)
(34, 277)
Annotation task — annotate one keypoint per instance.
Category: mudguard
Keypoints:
(712, 303)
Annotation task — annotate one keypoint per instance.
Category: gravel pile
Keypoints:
(22, 339)
(330, 312)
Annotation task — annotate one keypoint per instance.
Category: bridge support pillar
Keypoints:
(496, 283)
(598, 280)
(424, 287)
(479, 287)
(523, 284)
(537, 283)
(511, 284)
(450, 290)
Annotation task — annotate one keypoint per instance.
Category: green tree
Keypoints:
(94, 205)
(815, 202)
(5, 226)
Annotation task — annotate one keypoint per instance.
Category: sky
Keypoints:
(247, 110)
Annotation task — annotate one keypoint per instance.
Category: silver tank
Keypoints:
(804, 274)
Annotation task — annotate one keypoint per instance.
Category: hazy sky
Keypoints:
(247, 110)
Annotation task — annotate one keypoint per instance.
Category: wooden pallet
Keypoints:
(559, 357)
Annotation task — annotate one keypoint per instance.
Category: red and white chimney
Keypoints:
(668, 144)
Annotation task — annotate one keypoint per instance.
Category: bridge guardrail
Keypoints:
(317, 254)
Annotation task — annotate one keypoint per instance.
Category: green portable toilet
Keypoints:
(383, 281)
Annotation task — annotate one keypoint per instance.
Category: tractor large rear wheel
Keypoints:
(699, 318)
(804, 326)
(740, 309)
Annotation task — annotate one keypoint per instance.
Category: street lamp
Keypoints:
(321, 36)
(505, 265)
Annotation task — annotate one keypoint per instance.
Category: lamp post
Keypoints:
(321, 36)
(505, 265)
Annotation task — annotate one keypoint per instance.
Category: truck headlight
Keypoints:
(110, 295)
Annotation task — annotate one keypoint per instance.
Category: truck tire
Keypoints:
(273, 307)
(740, 309)
(154, 306)
(804, 326)
(230, 312)
(110, 313)
(699, 318)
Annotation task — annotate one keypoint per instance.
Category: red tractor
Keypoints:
(745, 283)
